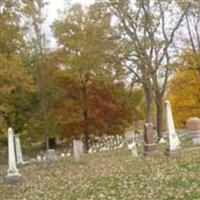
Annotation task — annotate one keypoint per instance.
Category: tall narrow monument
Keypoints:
(19, 155)
(12, 173)
(174, 142)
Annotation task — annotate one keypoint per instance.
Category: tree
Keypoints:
(149, 27)
(191, 56)
(38, 53)
(87, 54)
(111, 108)
(192, 21)
(16, 83)
(185, 102)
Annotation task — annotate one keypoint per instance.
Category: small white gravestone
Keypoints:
(174, 142)
(162, 141)
(62, 155)
(12, 173)
(19, 156)
(39, 158)
(133, 149)
(51, 155)
(78, 149)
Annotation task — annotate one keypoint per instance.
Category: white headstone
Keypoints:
(19, 156)
(62, 155)
(51, 155)
(162, 141)
(39, 158)
(133, 148)
(12, 173)
(174, 142)
(78, 149)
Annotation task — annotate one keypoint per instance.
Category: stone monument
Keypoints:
(133, 148)
(149, 140)
(13, 175)
(51, 155)
(193, 128)
(174, 142)
(78, 149)
(19, 155)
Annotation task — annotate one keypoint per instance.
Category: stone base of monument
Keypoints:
(195, 136)
(12, 179)
(151, 153)
(173, 153)
(196, 141)
(150, 149)
(21, 164)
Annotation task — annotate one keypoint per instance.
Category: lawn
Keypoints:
(113, 175)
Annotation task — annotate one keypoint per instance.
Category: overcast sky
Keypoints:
(53, 13)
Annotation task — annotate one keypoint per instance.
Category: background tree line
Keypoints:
(111, 67)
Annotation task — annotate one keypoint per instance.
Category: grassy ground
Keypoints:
(113, 175)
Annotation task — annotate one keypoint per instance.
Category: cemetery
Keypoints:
(100, 100)
(115, 167)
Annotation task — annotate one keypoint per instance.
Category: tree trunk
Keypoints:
(85, 115)
(149, 103)
(159, 117)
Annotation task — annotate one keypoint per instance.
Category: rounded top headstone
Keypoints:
(193, 124)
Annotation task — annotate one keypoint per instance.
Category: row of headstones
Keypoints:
(106, 143)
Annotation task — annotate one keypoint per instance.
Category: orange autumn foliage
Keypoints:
(184, 93)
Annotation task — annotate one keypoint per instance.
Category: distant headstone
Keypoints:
(19, 156)
(78, 150)
(62, 155)
(13, 175)
(39, 158)
(133, 148)
(162, 141)
(149, 140)
(51, 155)
(174, 142)
(193, 128)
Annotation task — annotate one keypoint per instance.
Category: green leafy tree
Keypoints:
(87, 54)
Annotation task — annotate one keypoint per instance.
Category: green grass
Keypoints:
(113, 175)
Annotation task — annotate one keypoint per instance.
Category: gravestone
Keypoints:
(78, 149)
(19, 156)
(62, 155)
(13, 175)
(133, 148)
(39, 158)
(51, 155)
(174, 142)
(193, 128)
(149, 140)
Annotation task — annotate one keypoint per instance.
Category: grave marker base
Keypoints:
(196, 141)
(12, 179)
(174, 153)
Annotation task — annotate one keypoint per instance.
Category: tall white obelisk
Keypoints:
(174, 142)
(12, 173)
